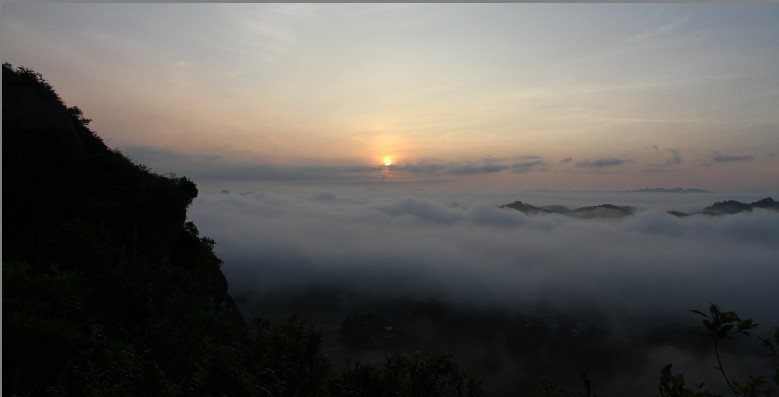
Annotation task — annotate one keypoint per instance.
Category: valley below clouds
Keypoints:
(407, 245)
(626, 276)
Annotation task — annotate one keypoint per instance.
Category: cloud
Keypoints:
(527, 166)
(165, 158)
(213, 167)
(468, 169)
(674, 158)
(290, 173)
(421, 168)
(328, 198)
(603, 162)
(422, 210)
(529, 157)
(325, 196)
(426, 167)
(493, 216)
(717, 157)
(525, 163)
(409, 246)
(566, 160)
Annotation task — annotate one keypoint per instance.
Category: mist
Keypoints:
(453, 247)
(650, 263)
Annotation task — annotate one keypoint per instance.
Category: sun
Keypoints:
(387, 160)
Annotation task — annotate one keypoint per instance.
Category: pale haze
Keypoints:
(532, 96)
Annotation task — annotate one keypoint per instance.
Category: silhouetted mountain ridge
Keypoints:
(666, 190)
(615, 211)
(735, 207)
(596, 211)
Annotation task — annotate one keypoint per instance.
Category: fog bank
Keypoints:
(422, 246)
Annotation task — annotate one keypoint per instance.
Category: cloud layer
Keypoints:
(648, 264)
(604, 162)
(718, 157)
(667, 166)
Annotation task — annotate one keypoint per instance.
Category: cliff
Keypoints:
(56, 170)
(95, 246)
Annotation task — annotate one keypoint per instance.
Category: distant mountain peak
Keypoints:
(734, 207)
(597, 211)
(666, 190)
(612, 211)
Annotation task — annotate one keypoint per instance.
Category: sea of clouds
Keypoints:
(461, 248)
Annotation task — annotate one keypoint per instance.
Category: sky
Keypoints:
(367, 146)
(482, 96)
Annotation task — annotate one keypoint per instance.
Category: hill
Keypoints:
(666, 190)
(596, 211)
(602, 211)
(730, 207)
(108, 290)
(101, 271)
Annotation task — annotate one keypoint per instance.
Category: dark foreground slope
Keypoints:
(105, 284)
(107, 290)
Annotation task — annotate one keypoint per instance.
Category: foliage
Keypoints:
(726, 325)
(674, 385)
(36, 81)
(436, 375)
(545, 387)
(287, 359)
(771, 343)
(720, 326)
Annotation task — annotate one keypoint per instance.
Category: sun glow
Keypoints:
(387, 160)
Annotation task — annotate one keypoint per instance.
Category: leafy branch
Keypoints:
(723, 326)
